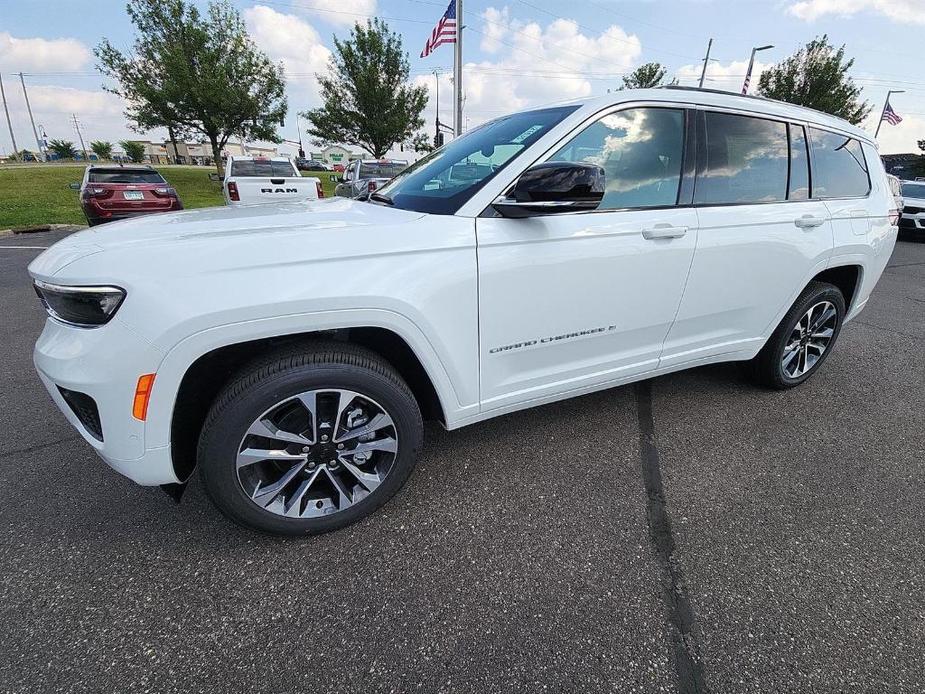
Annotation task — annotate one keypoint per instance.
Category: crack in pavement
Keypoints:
(48, 444)
(685, 645)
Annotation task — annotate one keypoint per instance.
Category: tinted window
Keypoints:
(839, 169)
(747, 160)
(914, 190)
(799, 165)
(381, 169)
(263, 168)
(640, 150)
(445, 179)
(123, 176)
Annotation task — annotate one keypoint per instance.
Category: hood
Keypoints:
(913, 202)
(191, 230)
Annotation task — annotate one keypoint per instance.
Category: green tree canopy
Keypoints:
(921, 144)
(368, 101)
(102, 149)
(133, 150)
(63, 149)
(195, 73)
(645, 76)
(817, 76)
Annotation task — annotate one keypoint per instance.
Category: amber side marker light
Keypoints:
(142, 395)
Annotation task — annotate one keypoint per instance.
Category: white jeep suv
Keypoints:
(291, 351)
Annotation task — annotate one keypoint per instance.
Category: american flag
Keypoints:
(444, 32)
(890, 116)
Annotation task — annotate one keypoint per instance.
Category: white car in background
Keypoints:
(292, 351)
(254, 180)
(913, 219)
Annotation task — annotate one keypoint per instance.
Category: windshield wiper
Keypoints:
(380, 197)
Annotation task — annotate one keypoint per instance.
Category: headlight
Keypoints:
(85, 307)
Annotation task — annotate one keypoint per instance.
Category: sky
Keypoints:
(517, 54)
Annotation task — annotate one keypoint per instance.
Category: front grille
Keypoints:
(913, 210)
(86, 410)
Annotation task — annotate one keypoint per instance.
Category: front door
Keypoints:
(571, 302)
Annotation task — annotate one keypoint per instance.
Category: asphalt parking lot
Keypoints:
(692, 533)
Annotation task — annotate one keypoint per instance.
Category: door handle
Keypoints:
(808, 221)
(664, 231)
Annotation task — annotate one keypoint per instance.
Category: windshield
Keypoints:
(914, 190)
(445, 179)
(265, 168)
(382, 169)
(123, 176)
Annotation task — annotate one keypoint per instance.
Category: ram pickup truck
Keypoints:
(292, 352)
(253, 180)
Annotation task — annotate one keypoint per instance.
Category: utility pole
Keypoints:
(457, 71)
(885, 104)
(31, 119)
(8, 121)
(751, 64)
(706, 60)
(80, 135)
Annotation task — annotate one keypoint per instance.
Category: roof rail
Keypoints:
(716, 91)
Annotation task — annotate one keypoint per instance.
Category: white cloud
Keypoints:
(535, 65)
(297, 45)
(898, 10)
(41, 55)
(728, 76)
(341, 12)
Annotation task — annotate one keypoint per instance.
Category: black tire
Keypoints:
(767, 368)
(262, 384)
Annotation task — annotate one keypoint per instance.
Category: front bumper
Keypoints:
(104, 364)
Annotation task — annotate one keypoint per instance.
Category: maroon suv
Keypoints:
(118, 192)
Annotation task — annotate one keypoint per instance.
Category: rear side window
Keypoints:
(123, 176)
(839, 168)
(799, 165)
(640, 150)
(264, 169)
(382, 169)
(746, 161)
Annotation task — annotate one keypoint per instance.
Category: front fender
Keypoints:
(179, 359)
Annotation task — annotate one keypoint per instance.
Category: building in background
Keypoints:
(199, 153)
(333, 155)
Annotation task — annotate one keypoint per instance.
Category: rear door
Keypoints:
(761, 235)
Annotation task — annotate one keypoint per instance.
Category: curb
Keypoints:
(41, 228)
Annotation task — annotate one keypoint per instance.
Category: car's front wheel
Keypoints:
(803, 339)
(310, 440)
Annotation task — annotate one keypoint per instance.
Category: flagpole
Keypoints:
(883, 110)
(457, 70)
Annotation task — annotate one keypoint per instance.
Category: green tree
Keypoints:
(133, 150)
(817, 76)
(63, 149)
(921, 144)
(102, 149)
(196, 74)
(368, 101)
(645, 76)
(422, 143)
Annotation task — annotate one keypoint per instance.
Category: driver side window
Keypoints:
(640, 150)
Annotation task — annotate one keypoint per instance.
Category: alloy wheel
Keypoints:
(317, 453)
(809, 339)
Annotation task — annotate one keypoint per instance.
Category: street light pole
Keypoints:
(885, 104)
(751, 64)
(35, 132)
(9, 122)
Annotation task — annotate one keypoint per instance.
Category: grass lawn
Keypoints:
(39, 194)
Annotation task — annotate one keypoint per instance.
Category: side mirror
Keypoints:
(553, 187)
(214, 176)
(73, 186)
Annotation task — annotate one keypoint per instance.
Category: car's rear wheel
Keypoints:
(803, 339)
(309, 441)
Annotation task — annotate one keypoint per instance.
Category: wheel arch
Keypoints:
(846, 277)
(200, 381)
